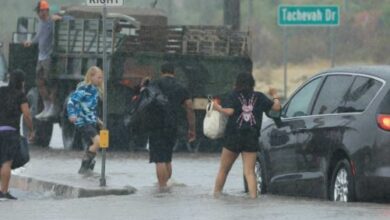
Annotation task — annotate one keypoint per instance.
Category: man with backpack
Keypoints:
(162, 121)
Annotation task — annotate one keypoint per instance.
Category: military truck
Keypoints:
(207, 60)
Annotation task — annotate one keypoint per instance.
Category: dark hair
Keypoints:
(245, 82)
(168, 68)
(16, 80)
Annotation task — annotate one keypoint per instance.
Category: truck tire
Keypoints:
(43, 129)
(71, 138)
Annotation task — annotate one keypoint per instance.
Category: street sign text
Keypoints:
(107, 2)
(308, 15)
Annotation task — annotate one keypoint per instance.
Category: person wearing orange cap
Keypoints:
(44, 39)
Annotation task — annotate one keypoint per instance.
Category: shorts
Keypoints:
(88, 132)
(9, 145)
(43, 69)
(161, 143)
(242, 141)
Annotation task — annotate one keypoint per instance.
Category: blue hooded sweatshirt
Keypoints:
(83, 104)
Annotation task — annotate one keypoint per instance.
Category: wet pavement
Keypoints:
(190, 196)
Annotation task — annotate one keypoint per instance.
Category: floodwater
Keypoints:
(190, 195)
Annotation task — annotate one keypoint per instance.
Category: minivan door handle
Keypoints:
(299, 130)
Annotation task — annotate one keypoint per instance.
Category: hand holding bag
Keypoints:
(214, 123)
(23, 155)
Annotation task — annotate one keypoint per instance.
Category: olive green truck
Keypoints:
(206, 58)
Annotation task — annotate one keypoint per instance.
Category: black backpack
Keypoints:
(144, 106)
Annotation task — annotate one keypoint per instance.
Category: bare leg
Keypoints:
(88, 162)
(227, 160)
(5, 175)
(249, 161)
(95, 144)
(162, 174)
(43, 91)
(169, 168)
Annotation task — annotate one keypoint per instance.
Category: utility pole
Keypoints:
(231, 13)
(170, 7)
(250, 12)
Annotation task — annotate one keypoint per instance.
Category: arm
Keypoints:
(56, 17)
(71, 107)
(27, 118)
(28, 43)
(274, 94)
(225, 111)
(190, 119)
(276, 106)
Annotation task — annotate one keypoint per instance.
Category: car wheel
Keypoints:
(342, 185)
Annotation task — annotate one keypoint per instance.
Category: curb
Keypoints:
(65, 191)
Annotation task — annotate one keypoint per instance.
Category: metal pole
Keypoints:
(332, 60)
(285, 59)
(250, 13)
(105, 70)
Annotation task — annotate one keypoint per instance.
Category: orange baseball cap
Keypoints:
(43, 5)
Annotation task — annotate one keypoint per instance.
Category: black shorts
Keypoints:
(88, 132)
(161, 143)
(9, 145)
(242, 141)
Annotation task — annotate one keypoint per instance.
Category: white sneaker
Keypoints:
(46, 115)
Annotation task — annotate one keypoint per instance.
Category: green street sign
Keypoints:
(308, 15)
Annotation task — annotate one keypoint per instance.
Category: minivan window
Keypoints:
(361, 93)
(332, 95)
(299, 104)
(385, 104)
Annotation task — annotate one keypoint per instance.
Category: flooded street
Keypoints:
(190, 196)
(302, 87)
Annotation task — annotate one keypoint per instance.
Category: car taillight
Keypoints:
(384, 122)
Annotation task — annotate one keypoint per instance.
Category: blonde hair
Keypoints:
(88, 78)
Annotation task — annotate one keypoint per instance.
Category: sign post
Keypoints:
(306, 16)
(104, 134)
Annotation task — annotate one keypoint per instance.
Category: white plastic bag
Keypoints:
(214, 123)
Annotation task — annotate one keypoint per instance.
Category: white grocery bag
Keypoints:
(214, 123)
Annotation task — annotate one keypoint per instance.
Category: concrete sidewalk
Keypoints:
(55, 171)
